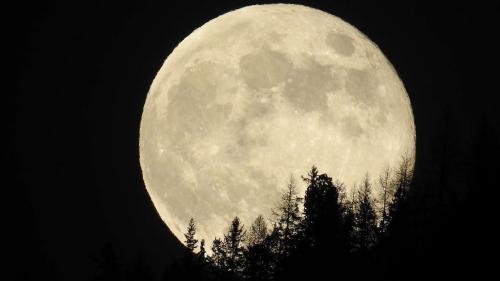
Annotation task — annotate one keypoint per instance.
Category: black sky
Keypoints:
(81, 78)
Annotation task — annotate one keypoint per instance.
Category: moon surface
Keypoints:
(260, 93)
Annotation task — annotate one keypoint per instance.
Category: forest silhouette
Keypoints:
(308, 237)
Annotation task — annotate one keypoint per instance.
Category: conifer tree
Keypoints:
(202, 254)
(366, 219)
(258, 232)
(386, 195)
(403, 176)
(288, 218)
(258, 258)
(218, 257)
(191, 241)
(233, 241)
(323, 212)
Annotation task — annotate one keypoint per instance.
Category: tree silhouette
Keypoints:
(191, 241)
(335, 232)
(312, 196)
(218, 258)
(386, 195)
(365, 218)
(325, 229)
(258, 258)
(192, 264)
(349, 205)
(202, 254)
(323, 212)
(288, 219)
(233, 241)
(258, 232)
(401, 183)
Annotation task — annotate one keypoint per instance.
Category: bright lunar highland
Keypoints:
(259, 94)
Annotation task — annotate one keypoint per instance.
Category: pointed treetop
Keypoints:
(191, 241)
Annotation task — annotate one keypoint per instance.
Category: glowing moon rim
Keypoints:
(260, 93)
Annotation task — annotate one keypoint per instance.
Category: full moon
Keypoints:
(259, 94)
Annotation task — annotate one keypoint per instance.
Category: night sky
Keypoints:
(82, 73)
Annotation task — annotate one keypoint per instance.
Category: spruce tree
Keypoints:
(325, 231)
(323, 213)
(234, 246)
(191, 241)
